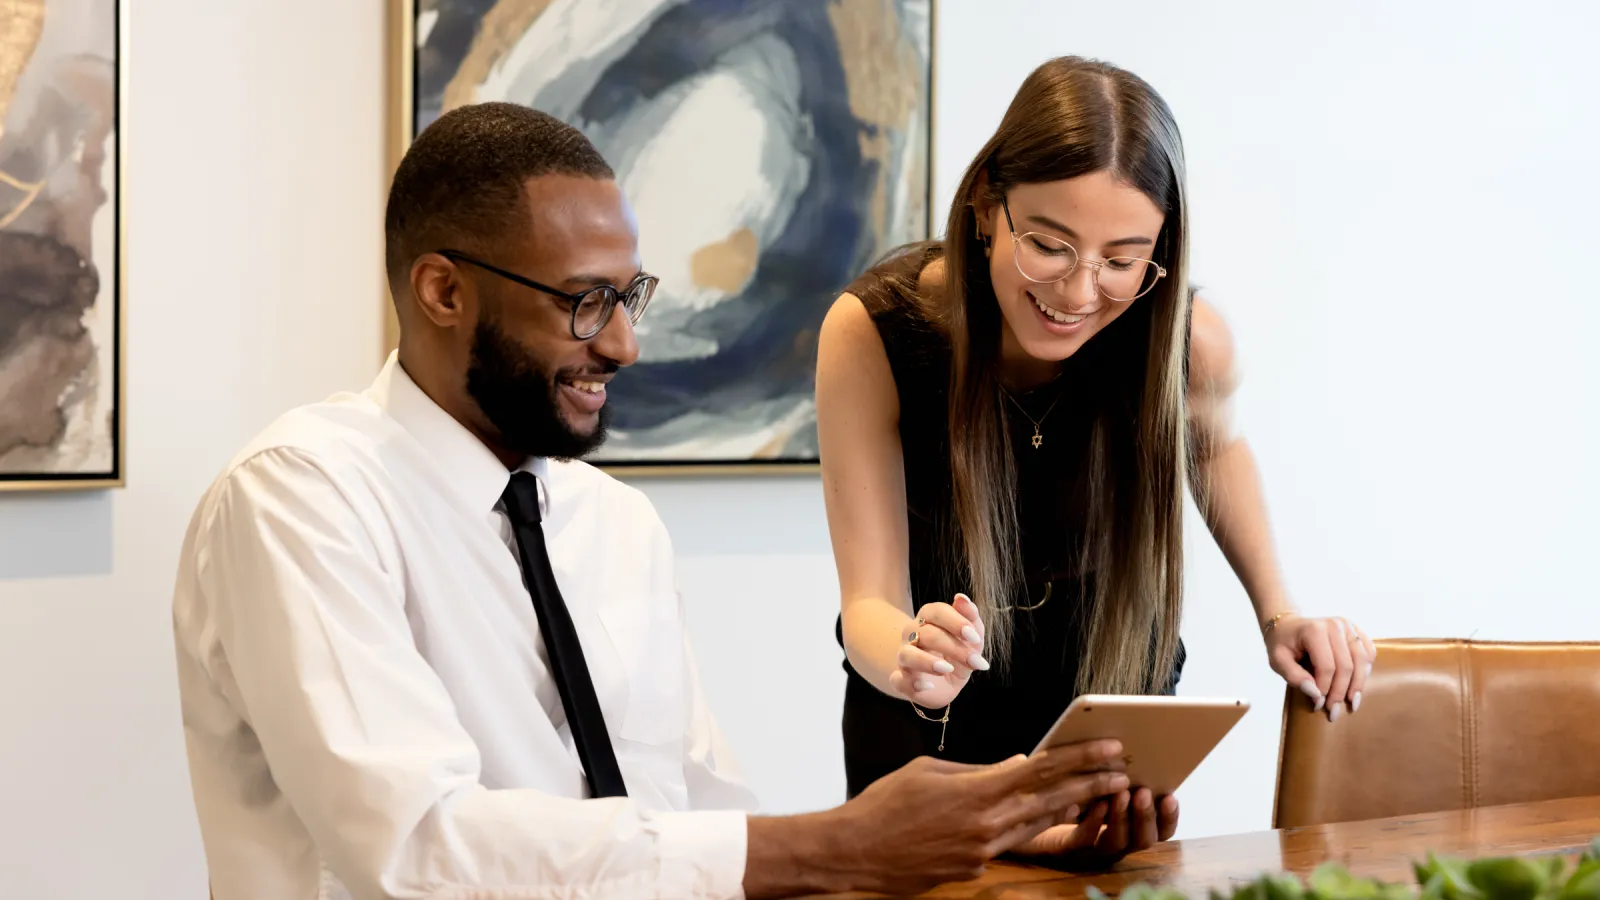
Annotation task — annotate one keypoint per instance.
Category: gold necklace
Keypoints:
(1032, 606)
(1038, 438)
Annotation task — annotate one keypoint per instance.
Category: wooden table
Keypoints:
(1381, 848)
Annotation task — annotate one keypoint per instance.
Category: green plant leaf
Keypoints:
(1508, 877)
(1584, 883)
(1396, 892)
(1453, 881)
(1332, 881)
(1282, 887)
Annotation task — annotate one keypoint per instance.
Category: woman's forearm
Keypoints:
(872, 628)
(1236, 512)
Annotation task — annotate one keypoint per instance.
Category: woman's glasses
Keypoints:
(591, 309)
(1045, 259)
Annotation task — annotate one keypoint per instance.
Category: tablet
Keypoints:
(1163, 738)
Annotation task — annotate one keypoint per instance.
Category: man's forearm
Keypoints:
(788, 856)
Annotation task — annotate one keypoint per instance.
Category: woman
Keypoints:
(1008, 419)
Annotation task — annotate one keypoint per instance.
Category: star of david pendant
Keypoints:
(1037, 438)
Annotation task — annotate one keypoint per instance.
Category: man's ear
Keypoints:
(439, 289)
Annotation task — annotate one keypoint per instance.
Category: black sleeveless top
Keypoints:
(995, 716)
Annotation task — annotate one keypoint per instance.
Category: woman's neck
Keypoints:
(1019, 372)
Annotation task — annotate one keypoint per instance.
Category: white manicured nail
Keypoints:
(977, 662)
(1355, 702)
(942, 667)
(923, 684)
(970, 634)
(1309, 688)
(1335, 711)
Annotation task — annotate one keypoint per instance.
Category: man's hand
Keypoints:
(1113, 828)
(930, 822)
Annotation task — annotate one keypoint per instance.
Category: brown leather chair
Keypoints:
(1446, 724)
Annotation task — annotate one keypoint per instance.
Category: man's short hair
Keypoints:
(460, 185)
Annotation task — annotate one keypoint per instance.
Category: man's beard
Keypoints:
(520, 401)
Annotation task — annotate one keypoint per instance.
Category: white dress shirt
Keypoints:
(366, 703)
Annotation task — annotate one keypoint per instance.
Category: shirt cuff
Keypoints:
(702, 853)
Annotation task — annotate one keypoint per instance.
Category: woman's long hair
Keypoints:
(1074, 117)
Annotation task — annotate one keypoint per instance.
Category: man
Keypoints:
(423, 652)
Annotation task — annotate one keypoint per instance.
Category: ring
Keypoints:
(911, 638)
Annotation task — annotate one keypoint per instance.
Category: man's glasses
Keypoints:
(1044, 259)
(591, 309)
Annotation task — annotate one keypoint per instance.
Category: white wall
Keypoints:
(254, 284)
(1422, 429)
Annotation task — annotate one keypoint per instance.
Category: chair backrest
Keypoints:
(1446, 724)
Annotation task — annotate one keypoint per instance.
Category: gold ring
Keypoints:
(911, 638)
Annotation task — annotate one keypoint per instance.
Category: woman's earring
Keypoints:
(988, 245)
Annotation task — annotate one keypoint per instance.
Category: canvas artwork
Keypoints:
(771, 150)
(59, 265)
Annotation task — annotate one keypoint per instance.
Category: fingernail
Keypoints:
(1369, 670)
(923, 684)
(1072, 812)
(976, 661)
(942, 667)
(1355, 702)
(1309, 688)
(1145, 803)
(1335, 711)
(971, 635)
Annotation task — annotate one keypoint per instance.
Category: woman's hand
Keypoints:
(1340, 655)
(1112, 828)
(939, 651)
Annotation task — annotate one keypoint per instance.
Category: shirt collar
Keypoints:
(473, 472)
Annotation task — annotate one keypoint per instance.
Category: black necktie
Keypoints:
(588, 724)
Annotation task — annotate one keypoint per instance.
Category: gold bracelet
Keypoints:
(1272, 623)
(944, 721)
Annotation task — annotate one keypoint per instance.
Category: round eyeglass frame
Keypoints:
(1078, 258)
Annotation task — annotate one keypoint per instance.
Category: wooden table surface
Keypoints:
(1381, 848)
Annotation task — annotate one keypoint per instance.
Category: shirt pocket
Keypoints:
(648, 636)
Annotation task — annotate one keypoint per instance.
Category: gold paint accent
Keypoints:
(30, 192)
(21, 23)
(877, 59)
(499, 31)
(727, 264)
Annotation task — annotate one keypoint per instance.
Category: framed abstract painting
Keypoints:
(62, 258)
(771, 150)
